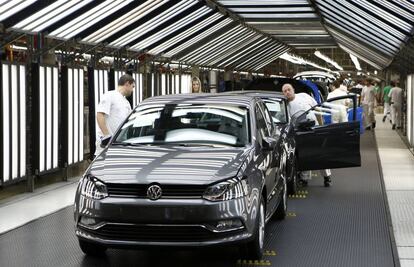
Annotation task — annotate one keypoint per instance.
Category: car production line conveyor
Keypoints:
(345, 225)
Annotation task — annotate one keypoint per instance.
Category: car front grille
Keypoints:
(168, 191)
(161, 233)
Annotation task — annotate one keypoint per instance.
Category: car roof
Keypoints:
(260, 93)
(202, 98)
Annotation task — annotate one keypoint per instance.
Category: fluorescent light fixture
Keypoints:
(355, 61)
(163, 85)
(70, 116)
(18, 47)
(152, 84)
(76, 115)
(48, 118)
(177, 84)
(186, 83)
(6, 122)
(55, 113)
(11, 7)
(300, 61)
(22, 99)
(41, 118)
(327, 59)
(14, 121)
(81, 113)
(375, 72)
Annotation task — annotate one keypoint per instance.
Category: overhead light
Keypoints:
(327, 59)
(375, 72)
(356, 62)
(18, 47)
(300, 61)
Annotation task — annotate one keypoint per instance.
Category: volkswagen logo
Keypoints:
(154, 192)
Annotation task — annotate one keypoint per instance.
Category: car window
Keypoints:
(267, 117)
(187, 123)
(261, 123)
(277, 109)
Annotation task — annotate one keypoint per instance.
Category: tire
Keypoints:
(92, 249)
(254, 249)
(292, 186)
(281, 209)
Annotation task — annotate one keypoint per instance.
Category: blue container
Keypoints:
(327, 118)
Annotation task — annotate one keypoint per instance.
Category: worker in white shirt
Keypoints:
(368, 105)
(339, 107)
(113, 109)
(396, 98)
(298, 104)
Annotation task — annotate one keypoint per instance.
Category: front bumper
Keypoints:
(164, 222)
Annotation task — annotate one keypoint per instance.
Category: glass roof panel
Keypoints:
(11, 7)
(89, 18)
(50, 14)
(360, 18)
(263, 2)
(280, 16)
(173, 27)
(257, 45)
(181, 36)
(271, 9)
(153, 23)
(125, 20)
(366, 37)
(198, 38)
(227, 47)
(215, 45)
(387, 15)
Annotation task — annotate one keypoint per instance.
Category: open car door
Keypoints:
(333, 143)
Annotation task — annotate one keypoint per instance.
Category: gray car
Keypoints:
(185, 170)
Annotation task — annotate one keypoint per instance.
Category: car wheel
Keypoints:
(281, 210)
(91, 249)
(254, 249)
(292, 186)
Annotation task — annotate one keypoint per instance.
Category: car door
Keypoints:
(268, 166)
(331, 144)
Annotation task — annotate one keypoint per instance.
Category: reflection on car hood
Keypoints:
(167, 165)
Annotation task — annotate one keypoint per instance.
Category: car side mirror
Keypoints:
(268, 144)
(105, 141)
(305, 125)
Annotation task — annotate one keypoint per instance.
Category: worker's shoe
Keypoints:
(393, 126)
(384, 118)
(327, 181)
(373, 125)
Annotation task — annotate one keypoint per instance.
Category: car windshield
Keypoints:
(277, 109)
(183, 124)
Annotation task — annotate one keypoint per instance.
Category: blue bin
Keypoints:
(327, 118)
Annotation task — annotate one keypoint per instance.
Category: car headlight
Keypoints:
(92, 188)
(230, 189)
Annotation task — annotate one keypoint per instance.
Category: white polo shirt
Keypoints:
(116, 108)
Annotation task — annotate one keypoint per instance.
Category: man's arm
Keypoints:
(100, 118)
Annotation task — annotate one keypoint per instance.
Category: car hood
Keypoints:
(167, 165)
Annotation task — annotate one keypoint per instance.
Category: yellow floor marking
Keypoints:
(291, 214)
(254, 262)
(298, 196)
(269, 253)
